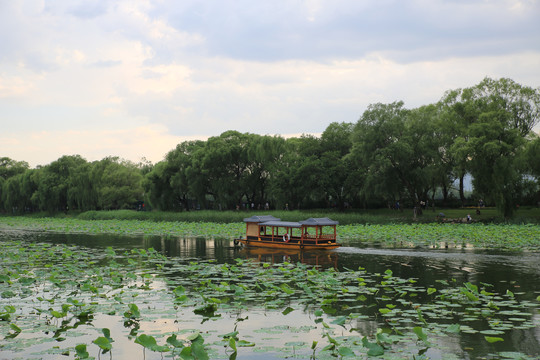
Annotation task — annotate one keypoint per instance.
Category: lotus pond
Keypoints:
(117, 290)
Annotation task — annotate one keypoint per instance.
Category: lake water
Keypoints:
(517, 273)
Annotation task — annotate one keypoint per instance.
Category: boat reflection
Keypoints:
(323, 259)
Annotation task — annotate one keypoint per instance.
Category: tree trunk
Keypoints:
(444, 194)
(461, 189)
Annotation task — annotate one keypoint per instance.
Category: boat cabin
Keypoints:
(269, 231)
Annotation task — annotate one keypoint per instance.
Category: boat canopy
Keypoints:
(289, 224)
(319, 222)
(269, 220)
(260, 219)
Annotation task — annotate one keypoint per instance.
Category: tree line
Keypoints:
(390, 155)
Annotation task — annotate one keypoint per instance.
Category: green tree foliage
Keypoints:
(297, 177)
(533, 156)
(338, 179)
(263, 153)
(391, 153)
(10, 190)
(10, 167)
(72, 183)
(169, 185)
(54, 182)
(12, 198)
(493, 120)
(444, 170)
(532, 161)
(397, 150)
(456, 115)
(118, 182)
(494, 152)
(82, 191)
(224, 165)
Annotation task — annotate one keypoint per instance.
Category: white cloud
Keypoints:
(106, 72)
(14, 86)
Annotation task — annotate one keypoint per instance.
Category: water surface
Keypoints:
(518, 272)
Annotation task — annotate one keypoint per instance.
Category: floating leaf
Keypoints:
(57, 314)
(197, 348)
(8, 294)
(374, 349)
(244, 343)
(103, 343)
(81, 351)
(149, 342)
(420, 334)
(133, 312)
(179, 291)
(491, 339)
(207, 310)
(287, 289)
(454, 328)
(340, 320)
(232, 344)
(172, 340)
(287, 310)
(15, 328)
(345, 351)
(470, 295)
(107, 333)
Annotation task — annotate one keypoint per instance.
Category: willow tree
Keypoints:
(222, 169)
(532, 160)
(263, 154)
(395, 148)
(338, 177)
(82, 191)
(296, 182)
(10, 167)
(119, 183)
(54, 182)
(168, 184)
(501, 115)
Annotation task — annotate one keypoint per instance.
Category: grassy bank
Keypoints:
(380, 216)
(363, 217)
(478, 235)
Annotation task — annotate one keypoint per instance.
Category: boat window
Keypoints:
(252, 229)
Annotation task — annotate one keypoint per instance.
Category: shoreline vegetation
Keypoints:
(487, 215)
(386, 228)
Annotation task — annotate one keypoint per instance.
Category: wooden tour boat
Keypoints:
(270, 232)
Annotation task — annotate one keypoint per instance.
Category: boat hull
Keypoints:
(286, 245)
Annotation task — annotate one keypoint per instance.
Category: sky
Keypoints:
(135, 78)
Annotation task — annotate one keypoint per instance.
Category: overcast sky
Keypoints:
(134, 78)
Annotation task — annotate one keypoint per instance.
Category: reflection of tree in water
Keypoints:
(366, 327)
(195, 248)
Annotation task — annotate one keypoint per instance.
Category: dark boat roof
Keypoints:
(319, 222)
(289, 224)
(261, 218)
(269, 220)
